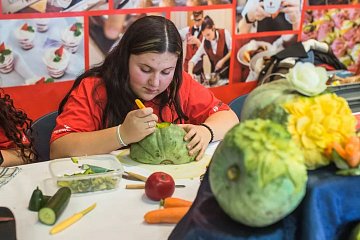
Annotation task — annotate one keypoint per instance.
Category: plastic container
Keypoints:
(105, 173)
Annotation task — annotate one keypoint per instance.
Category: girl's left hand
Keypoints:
(198, 138)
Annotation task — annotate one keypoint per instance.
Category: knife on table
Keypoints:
(71, 220)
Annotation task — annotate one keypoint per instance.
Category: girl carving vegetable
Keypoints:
(99, 114)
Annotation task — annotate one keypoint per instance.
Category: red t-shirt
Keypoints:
(5, 143)
(83, 113)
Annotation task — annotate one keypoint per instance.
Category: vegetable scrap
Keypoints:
(90, 184)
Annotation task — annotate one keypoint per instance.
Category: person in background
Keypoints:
(15, 134)
(193, 37)
(216, 44)
(99, 114)
(286, 18)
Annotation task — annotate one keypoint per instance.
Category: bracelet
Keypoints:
(119, 136)
(247, 19)
(210, 130)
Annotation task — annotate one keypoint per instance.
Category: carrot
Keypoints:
(166, 215)
(352, 149)
(171, 202)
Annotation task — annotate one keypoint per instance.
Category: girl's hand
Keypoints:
(138, 124)
(257, 13)
(198, 138)
(219, 65)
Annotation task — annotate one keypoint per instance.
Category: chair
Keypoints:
(237, 104)
(41, 130)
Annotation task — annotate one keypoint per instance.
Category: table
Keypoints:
(329, 211)
(118, 214)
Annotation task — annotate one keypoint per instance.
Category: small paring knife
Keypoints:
(142, 186)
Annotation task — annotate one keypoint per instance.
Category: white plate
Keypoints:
(252, 45)
(257, 61)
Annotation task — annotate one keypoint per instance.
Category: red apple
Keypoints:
(159, 185)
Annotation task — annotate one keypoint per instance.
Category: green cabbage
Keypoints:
(165, 146)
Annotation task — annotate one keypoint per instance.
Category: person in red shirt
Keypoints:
(15, 134)
(99, 114)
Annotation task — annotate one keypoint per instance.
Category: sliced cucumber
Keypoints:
(55, 206)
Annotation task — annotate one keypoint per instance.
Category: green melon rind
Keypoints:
(272, 179)
(165, 146)
(265, 101)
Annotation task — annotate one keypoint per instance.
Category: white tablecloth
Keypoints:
(118, 214)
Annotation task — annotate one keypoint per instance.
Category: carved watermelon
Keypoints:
(257, 173)
(165, 146)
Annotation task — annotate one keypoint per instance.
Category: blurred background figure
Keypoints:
(106, 31)
(262, 16)
(118, 4)
(193, 37)
(216, 45)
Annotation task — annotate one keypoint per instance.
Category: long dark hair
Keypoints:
(16, 124)
(147, 34)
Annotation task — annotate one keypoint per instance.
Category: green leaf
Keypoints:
(78, 25)
(2, 58)
(77, 33)
(349, 172)
(6, 52)
(49, 80)
(30, 29)
(57, 58)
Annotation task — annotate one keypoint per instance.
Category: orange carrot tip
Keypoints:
(166, 215)
(340, 150)
(171, 202)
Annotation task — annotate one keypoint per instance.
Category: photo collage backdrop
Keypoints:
(49, 42)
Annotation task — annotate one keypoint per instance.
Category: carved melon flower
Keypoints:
(307, 79)
(315, 122)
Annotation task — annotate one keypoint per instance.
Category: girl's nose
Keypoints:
(154, 80)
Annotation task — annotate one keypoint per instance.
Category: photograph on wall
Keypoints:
(332, 2)
(124, 4)
(207, 44)
(340, 29)
(267, 16)
(43, 6)
(105, 32)
(252, 54)
(40, 50)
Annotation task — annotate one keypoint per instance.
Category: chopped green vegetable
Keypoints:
(95, 169)
(90, 185)
(75, 160)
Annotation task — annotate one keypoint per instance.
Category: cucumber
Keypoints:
(36, 201)
(55, 206)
